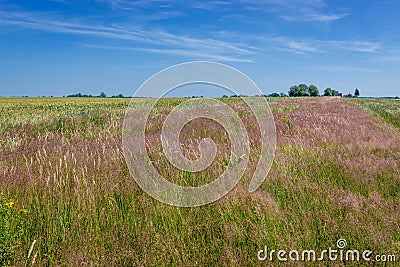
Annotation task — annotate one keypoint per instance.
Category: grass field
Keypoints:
(65, 184)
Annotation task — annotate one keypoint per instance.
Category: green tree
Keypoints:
(357, 92)
(274, 95)
(294, 90)
(102, 94)
(328, 92)
(313, 90)
(303, 90)
(299, 90)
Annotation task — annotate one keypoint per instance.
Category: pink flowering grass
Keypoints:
(335, 175)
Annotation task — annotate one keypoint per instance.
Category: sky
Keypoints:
(61, 47)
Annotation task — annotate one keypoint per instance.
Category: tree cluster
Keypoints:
(303, 90)
(80, 95)
(276, 95)
(102, 94)
(330, 92)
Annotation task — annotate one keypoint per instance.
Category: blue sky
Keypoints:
(60, 47)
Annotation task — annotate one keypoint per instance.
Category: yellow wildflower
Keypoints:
(9, 204)
(286, 120)
(25, 211)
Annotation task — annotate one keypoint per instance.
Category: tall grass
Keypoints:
(385, 109)
(335, 175)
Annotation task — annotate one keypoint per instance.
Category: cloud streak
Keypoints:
(163, 42)
(357, 46)
(309, 45)
(314, 17)
(345, 69)
(296, 11)
(289, 10)
(175, 52)
(159, 41)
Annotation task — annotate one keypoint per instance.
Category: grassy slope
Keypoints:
(386, 109)
(335, 175)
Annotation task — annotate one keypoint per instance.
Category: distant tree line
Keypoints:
(330, 92)
(303, 90)
(102, 94)
(300, 90)
(277, 95)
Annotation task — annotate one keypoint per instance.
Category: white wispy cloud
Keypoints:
(176, 52)
(167, 4)
(139, 9)
(165, 42)
(357, 46)
(128, 5)
(300, 10)
(308, 45)
(157, 40)
(345, 69)
(290, 10)
(301, 47)
(212, 5)
(313, 17)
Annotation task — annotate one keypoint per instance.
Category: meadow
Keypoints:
(64, 183)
